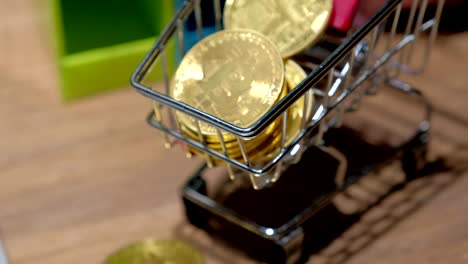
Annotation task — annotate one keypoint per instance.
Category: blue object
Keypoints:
(190, 27)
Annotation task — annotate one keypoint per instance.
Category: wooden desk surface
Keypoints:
(79, 180)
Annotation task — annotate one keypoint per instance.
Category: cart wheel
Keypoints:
(414, 157)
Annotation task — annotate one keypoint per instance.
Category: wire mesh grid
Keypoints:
(357, 66)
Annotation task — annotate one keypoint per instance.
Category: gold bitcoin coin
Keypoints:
(268, 148)
(294, 76)
(233, 149)
(233, 146)
(156, 252)
(292, 25)
(214, 141)
(235, 75)
(303, 106)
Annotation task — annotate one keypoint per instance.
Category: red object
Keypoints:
(343, 13)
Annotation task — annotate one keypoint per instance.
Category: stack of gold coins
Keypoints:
(235, 75)
(239, 73)
(267, 144)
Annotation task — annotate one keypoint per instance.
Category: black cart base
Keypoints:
(295, 217)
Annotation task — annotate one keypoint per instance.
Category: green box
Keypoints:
(100, 43)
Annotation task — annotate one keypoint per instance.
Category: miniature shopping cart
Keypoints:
(313, 167)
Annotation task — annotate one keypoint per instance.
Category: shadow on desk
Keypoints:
(384, 213)
(356, 218)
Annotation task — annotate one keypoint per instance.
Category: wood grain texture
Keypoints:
(79, 180)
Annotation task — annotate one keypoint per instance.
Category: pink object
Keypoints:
(343, 13)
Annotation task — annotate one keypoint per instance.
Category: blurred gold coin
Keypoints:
(235, 75)
(292, 25)
(294, 76)
(156, 252)
(214, 141)
(232, 147)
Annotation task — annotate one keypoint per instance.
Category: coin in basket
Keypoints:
(156, 252)
(265, 150)
(232, 146)
(295, 113)
(234, 75)
(299, 113)
(292, 25)
(229, 147)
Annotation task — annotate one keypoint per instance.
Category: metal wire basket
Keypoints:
(357, 66)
